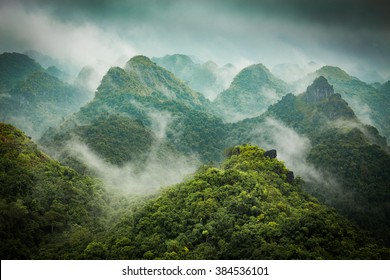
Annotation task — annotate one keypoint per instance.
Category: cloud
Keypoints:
(291, 147)
(77, 44)
(159, 170)
(348, 33)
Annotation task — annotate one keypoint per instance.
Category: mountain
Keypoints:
(32, 99)
(43, 59)
(157, 114)
(55, 72)
(249, 208)
(251, 92)
(345, 162)
(145, 130)
(14, 68)
(369, 103)
(207, 78)
(48, 211)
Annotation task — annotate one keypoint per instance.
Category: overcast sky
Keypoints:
(352, 34)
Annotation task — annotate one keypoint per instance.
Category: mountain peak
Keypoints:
(333, 72)
(320, 89)
(15, 67)
(140, 60)
(255, 75)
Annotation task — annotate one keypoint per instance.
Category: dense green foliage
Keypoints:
(353, 154)
(15, 67)
(251, 92)
(160, 105)
(142, 116)
(246, 209)
(48, 211)
(249, 208)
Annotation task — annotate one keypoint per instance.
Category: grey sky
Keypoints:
(352, 34)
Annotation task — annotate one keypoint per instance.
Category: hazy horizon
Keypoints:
(354, 35)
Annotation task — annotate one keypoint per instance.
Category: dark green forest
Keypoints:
(279, 174)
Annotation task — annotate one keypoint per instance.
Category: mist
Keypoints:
(156, 173)
(231, 31)
(292, 149)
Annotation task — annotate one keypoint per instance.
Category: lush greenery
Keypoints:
(152, 99)
(48, 211)
(250, 206)
(247, 209)
(343, 148)
(15, 67)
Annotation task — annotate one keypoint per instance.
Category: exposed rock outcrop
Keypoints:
(319, 90)
(271, 153)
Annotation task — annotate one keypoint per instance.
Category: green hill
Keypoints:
(48, 211)
(162, 109)
(249, 208)
(251, 92)
(15, 67)
(370, 104)
(352, 157)
(31, 98)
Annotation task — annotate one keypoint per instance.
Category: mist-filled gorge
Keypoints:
(138, 148)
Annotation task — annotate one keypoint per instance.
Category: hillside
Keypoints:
(48, 211)
(370, 104)
(345, 162)
(249, 208)
(253, 89)
(33, 99)
(155, 111)
(15, 67)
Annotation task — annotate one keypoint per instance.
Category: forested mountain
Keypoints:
(350, 160)
(249, 208)
(14, 68)
(207, 78)
(370, 104)
(33, 99)
(251, 92)
(48, 211)
(146, 129)
(154, 110)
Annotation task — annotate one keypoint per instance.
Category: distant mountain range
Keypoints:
(33, 98)
(207, 78)
(150, 125)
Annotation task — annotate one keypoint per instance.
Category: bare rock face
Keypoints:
(271, 153)
(290, 177)
(319, 90)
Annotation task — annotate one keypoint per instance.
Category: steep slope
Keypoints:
(349, 160)
(370, 105)
(34, 100)
(250, 208)
(169, 115)
(47, 210)
(15, 67)
(207, 78)
(251, 92)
